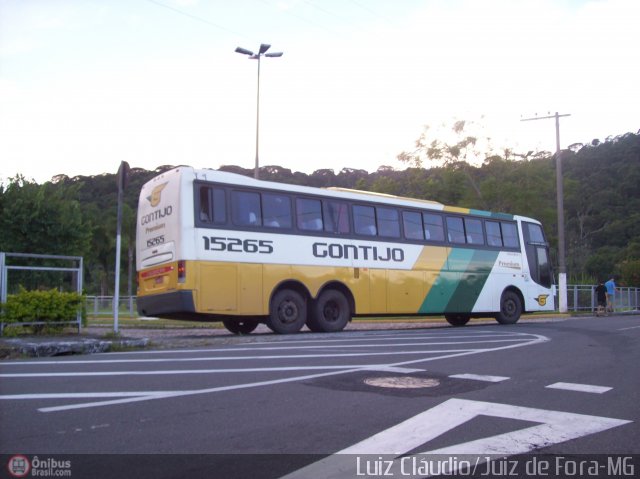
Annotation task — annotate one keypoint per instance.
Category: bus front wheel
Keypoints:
(243, 326)
(510, 308)
(457, 319)
(331, 312)
(288, 312)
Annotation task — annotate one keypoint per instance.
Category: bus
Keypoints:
(218, 246)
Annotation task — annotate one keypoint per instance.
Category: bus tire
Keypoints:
(331, 312)
(240, 327)
(288, 312)
(457, 319)
(510, 308)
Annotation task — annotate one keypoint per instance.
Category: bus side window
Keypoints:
(494, 237)
(510, 235)
(336, 217)
(308, 214)
(388, 222)
(473, 228)
(276, 210)
(364, 220)
(412, 222)
(245, 208)
(433, 227)
(455, 230)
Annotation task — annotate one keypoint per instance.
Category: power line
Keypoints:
(198, 19)
(306, 20)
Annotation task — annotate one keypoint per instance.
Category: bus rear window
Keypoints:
(213, 205)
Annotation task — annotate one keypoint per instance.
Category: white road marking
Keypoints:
(121, 394)
(381, 367)
(480, 377)
(625, 329)
(283, 356)
(392, 369)
(257, 384)
(584, 388)
(521, 339)
(553, 427)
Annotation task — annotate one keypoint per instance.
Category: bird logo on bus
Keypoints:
(542, 299)
(156, 195)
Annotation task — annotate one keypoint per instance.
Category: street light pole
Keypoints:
(562, 267)
(256, 56)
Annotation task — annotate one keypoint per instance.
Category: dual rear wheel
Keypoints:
(290, 311)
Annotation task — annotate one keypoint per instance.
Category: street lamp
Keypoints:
(256, 56)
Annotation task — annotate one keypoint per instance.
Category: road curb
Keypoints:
(11, 348)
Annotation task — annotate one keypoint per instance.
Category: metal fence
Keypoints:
(582, 297)
(40, 263)
(103, 306)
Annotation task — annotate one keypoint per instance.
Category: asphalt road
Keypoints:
(285, 405)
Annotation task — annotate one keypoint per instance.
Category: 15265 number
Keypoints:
(237, 245)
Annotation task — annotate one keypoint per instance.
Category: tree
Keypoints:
(456, 156)
(42, 219)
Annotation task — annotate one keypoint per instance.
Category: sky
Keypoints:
(86, 84)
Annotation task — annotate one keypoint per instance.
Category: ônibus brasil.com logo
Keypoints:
(20, 466)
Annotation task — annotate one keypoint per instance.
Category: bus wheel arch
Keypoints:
(332, 309)
(288, 308)
(511, 306)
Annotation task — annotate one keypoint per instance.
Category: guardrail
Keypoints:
(582, 297)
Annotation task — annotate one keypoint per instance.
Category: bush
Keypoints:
(43, 306)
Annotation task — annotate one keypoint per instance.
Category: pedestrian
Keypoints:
(611, 294)
(601, 298)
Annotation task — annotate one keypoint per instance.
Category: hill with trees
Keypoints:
(77, 216)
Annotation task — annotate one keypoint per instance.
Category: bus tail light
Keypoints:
(182, 271)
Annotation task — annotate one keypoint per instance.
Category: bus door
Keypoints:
(540, 272)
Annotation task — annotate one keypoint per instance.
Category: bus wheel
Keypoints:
(457, 319)
(288, 312)
(331, 312)
(510, 308)
(243, 326)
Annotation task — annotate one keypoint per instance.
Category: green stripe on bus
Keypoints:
(488, 214)
(472, 281)
(457, 287)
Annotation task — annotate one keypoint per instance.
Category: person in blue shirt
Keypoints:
(611, 294)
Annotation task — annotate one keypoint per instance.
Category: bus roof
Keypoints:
(337, 192)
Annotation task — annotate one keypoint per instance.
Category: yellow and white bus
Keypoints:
(218, 246)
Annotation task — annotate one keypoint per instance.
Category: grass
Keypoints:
(138, 323)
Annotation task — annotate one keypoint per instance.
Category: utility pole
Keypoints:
(562, 267)
(122, 180)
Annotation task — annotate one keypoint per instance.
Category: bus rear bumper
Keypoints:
(166, 304)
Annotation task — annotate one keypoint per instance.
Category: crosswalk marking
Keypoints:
(584, 388)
